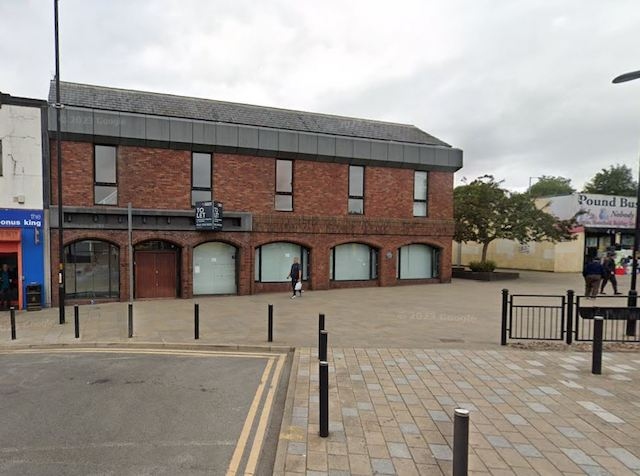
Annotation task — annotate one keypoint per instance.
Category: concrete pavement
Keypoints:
(401, 359)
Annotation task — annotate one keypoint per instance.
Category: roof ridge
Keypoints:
(256, 106)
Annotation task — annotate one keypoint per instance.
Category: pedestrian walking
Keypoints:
(609, 266)
(593, 273)
(296, 277)
(5, 288)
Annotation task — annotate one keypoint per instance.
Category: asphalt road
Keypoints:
(123, 413)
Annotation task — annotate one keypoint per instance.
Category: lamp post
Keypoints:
(633, 294)
(58, 106)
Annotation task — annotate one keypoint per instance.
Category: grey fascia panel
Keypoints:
(133, 126)
(181, 130)
(410, 154)
(395, 152)
(197, 131)
(379, 150)
(307, 144)
(455, 158)
(344, 147)
(248, 137)
(268, 139)
(158, 128)
(226, 135)
(427, 155)
(287, 141)
(204, 133)
(79, 121)
(362, 149)
(327, 146)
(441, 157)
(106, 123)
(52, 118)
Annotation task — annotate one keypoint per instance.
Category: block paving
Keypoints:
(391, 412)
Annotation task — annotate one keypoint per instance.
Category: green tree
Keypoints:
(616, 180)
(550, 186)
(484, 212)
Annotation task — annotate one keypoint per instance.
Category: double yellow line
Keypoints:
(269, 378)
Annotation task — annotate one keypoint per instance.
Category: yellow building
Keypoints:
(606, 225)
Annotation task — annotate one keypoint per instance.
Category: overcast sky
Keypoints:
(523, 87)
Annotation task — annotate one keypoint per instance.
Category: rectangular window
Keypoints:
(420, 194)
(356, 189)
(200, 178)
(284, 185)
(105, 175)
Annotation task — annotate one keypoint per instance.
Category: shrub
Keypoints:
(482, 266)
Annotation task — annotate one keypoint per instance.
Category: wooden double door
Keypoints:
(156, 274)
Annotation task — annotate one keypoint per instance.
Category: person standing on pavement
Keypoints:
(5, 288)
(593, 273)
(609, 266)
(296, 276)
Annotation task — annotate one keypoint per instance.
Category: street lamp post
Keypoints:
(633, 294)
(58, 106)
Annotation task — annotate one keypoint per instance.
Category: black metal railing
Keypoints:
(552, 317)
(617, 316)
(536, 317)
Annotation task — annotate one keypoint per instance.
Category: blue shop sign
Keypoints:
(21, 218)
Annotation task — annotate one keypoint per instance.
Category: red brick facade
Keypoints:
(160, 179)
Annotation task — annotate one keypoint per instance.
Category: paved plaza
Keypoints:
(401, 359)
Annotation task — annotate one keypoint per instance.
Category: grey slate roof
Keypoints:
(141, 102)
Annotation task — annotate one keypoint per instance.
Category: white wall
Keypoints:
(20, 132)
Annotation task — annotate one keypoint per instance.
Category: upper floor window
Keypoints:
(420, 194)
(200, 177)
(356, 189)
(105, 175)
(284, 185)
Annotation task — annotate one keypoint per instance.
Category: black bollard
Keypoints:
(12, 317)
(130, 320)
(196, 321)
(322, 350)
(570, 306)
(632, 301)
(503, 328)
(270, 324)
(460, 442)
(320, 329)
(596, 361)
(76, 321)
(324, 399)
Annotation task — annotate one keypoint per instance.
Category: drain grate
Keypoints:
(448, 341)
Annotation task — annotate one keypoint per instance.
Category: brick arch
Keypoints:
(235, 243)
(307, 245)
(371, 243)
(153, 238)
(93, 238)
(432, 244)
(73, 236)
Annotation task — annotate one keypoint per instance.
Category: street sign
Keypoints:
(209, 216)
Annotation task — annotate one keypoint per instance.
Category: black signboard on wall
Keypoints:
(209, 216)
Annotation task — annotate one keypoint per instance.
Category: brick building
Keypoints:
(359, 202)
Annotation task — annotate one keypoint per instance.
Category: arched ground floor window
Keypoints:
(418, 262)
(214, 268)
(353, 262)
(92, 270)
(273, 261)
